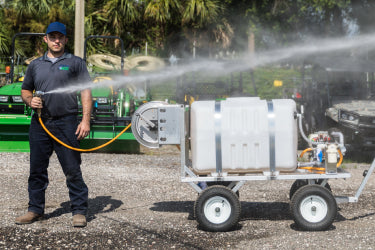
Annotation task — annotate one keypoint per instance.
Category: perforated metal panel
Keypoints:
(145, 124)
(158, 123)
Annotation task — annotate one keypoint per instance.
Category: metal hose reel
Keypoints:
(158, 123)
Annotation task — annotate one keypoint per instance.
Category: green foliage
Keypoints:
(4, 39)
(174, 25)
(201, 12)
(31, 16)
(162, 11)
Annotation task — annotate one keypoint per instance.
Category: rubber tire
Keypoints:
(228, 196)
(300, 183)
(325, 195)
(222, 183)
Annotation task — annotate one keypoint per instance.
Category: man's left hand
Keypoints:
(83, 130)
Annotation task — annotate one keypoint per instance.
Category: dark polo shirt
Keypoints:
(43, 75)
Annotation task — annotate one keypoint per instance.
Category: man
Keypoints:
(56, 69)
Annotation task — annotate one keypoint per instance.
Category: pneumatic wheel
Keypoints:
(217, 209)
(222, 183)
(300, 183)
(313, 207)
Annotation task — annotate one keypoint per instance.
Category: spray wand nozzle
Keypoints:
(39, 94)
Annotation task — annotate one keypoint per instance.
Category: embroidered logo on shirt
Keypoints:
(64, 67)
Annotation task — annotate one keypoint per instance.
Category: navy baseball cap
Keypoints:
(56, 27)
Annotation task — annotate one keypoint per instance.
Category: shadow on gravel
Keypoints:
(98, 205)
(265, 211)
(296, 228)
(249, 210)
(175, 207)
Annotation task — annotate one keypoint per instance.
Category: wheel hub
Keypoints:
(217, 209)
(314, 208)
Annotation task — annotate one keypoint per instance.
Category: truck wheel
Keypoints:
(217, 209)
(300, 183)
(313, 207)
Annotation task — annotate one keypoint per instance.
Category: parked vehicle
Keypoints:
(339, 95)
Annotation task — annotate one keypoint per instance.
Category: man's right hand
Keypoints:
(36, 103)
(30, 100)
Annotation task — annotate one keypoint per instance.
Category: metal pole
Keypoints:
(79, 29)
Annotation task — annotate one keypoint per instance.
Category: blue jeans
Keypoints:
(41, 148)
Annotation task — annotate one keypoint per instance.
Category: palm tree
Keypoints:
(119, 13)
(201, 12)
(205, 24)
(4, 33)
(34, 16)
(163, 12)
(201, 21)
(26, 10)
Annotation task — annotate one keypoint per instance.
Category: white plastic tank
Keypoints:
(245, 129)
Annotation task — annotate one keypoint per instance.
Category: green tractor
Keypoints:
(112, 110)
(15, 116)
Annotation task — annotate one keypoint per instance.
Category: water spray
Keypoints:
(361, 44)
(220, 68)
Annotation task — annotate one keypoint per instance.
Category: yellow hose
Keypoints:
(320, 169)
(304, 151)
(312, 168)
(341, 158)
(79, 149)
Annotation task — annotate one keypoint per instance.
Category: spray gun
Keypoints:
(38, 94)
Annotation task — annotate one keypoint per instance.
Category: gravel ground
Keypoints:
(138, 202)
